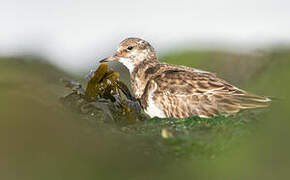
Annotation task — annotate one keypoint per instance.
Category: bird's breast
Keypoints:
(153, 108)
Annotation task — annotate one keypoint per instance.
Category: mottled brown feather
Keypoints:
(184, 92)
(181, 91)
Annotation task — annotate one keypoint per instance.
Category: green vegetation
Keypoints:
(42, 140)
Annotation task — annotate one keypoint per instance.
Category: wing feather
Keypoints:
(185, 92)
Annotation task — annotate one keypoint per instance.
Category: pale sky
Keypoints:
(73, 33)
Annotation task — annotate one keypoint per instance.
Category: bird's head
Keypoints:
(131, 52)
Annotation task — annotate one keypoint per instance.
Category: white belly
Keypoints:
(153, 109)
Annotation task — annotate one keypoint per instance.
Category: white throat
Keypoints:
(126, 62)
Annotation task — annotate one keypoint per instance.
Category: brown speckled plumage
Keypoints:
(180, 91)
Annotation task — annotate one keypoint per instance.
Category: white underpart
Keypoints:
(127, 62)
(153, 109)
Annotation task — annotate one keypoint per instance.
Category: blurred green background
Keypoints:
(41, 140)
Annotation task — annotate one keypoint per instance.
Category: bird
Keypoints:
(174, 91)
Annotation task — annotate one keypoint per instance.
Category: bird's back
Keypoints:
(180, 91)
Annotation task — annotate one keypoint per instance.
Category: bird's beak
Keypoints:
(111, 58)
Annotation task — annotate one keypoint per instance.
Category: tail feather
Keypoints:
(233, 103)
(250, 101)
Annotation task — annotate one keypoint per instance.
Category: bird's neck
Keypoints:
(140, 76)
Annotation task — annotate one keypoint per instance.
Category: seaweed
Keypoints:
(104, 97)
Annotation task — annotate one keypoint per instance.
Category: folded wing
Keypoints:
(184, 92)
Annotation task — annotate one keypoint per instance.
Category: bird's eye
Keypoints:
(130, 48)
